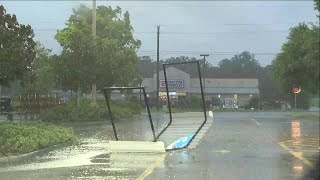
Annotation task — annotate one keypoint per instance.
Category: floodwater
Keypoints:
(90, 159)
(248, 145)
(239, 145)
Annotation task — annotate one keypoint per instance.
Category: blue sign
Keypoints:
(180, 143)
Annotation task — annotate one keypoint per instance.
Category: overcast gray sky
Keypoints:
(218, 28)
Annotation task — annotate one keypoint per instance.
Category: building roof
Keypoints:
(227, 90)
(214, 76)
(170, 70)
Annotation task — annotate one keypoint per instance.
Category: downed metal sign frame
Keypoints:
(106, 89)
(169, 104)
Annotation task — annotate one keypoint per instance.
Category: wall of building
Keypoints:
(242, 99)
(244, 88)
(224, 82)
(174, 74)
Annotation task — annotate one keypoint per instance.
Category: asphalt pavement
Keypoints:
(242, 145)
(238, 145)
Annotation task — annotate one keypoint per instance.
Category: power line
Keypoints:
(214, 33)
(182, 33)
(202, 52)
(209, 33)
(196, 54)
(241, 24)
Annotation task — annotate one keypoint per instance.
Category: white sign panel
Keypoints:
(172, 83)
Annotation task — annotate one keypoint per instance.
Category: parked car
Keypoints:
(5, 107)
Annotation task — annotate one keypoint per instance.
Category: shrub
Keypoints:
(87, 113)
(196, 102)
(24, 138)
(302, 101)
(254, 102)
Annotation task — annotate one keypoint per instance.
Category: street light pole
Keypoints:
(157, 81)
(204, 72)
(94, 32)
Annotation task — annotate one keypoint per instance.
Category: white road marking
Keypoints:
(256, 122)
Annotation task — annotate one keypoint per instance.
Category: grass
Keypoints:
(315, 102)
(177, 110)
(16, 139)
(304, 115)
(181, 110)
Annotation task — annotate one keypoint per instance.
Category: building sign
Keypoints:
(235, 96)
(171, 93)
(172, 83)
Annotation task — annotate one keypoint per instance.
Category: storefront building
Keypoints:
(232, 92)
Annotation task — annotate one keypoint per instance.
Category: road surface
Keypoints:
(238, 145)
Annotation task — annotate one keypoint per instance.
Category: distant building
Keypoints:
(232, 91)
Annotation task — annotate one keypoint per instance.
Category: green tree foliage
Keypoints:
(243, 64)
(254, 102)
(42, 77)
(110, 60)
(147, 67)
(317, 5)
(268, 85)
(17, 48)
(298, 62)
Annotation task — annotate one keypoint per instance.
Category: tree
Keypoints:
(109, 61)
(298, 61)
(147, 67)
(189, 68)
(17, 48)
(243, 64)
(317, 6)
(42, 77)
(268, 85)
(254, 102)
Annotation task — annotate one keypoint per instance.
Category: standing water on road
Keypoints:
(89, 158)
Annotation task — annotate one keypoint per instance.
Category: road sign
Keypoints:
(296, 90)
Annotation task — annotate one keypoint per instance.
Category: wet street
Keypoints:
(238, 145)
(253, 145)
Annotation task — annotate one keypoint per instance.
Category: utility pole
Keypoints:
(158, 81)
(204, 72)
(94, 32)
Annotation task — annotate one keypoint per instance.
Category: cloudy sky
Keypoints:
(189, 28)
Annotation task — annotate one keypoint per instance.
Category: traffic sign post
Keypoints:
(295, 100)
(296, 90)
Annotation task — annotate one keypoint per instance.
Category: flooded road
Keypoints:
(239, 145)
(248, 145)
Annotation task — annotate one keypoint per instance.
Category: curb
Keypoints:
(12, 159)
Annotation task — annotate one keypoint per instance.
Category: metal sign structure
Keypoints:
(180, 143)
(107, 90)
(169, 104)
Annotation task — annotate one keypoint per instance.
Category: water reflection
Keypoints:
(297, 167)
(296, 132)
